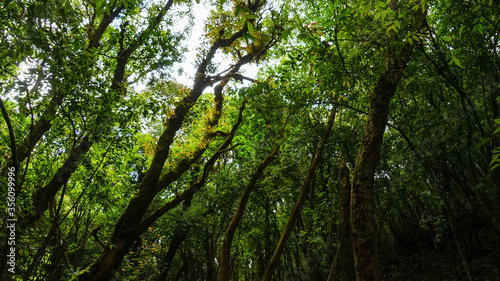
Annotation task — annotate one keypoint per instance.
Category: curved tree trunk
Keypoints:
(132, 223)
(367, 262)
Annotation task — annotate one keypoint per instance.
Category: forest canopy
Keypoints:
(367, 146)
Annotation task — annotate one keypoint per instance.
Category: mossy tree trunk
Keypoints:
(363, 231)
(342, 268)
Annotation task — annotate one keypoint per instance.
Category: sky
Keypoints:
(200, 12)
(197, 34)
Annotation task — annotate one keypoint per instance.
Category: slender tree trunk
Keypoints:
(130, 224)
(451, 216)
(273, 263)
(342, 268)
(225, 257)
(179, 236)
(4, 247)
(44, 195)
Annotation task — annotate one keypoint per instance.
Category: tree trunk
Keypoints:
(273, 263)
(367, 262)
(225, 257)
(179, 236)
(132, 223)
(342, 268)
(44, 124)
(44, 195)
(452, 220)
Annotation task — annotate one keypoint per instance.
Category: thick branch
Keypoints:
(11, 135)
(43, 196)
(44, 123)
(94, 41)
(184, 164)
(188, 193)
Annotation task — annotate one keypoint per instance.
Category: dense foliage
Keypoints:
(366, 148)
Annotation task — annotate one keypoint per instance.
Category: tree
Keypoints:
(121, 172)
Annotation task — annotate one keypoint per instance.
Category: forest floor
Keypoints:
(446, 264)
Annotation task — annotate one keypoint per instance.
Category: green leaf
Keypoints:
(106, 8)
(250, 36)
(494, 159)
(250, 28)
(67, 5)
(242, 20)
(483, 142)
(476, 8)
(11, 5)
(480, 29)
(397, 24)
(492, 168)
(456, 61)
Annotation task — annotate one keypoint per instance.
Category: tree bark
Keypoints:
(43, 196)
(451, 217)
(225, 257)
(179, 236)
(131, 224)
(342, 268)
(367, 262)
(273, 263)
(44, 123)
